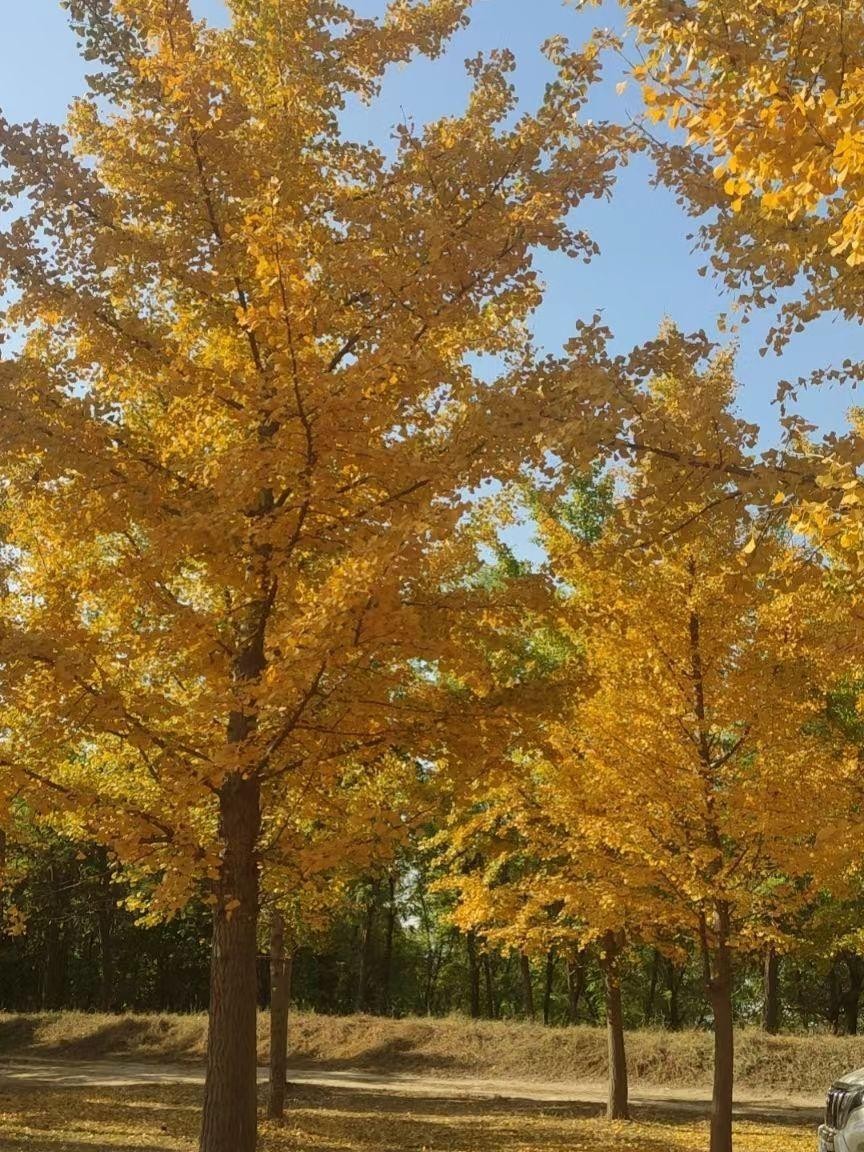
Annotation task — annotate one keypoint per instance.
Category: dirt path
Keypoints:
(122, 1073)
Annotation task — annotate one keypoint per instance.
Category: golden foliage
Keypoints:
(663, 798)
(50, 1120)
(240, 416)
(770, 99)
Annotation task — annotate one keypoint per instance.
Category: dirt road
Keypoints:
(693, 1101)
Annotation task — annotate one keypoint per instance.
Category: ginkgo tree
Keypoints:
(524, 885)
(660, 799)
(713, 638)
(519, 882)
(762, 105)
(767, 103)
(316, 843)
(240, 410)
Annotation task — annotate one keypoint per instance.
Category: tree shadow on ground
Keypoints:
(168, 1039)
(165, 1118)
(319, 1119)
(17, 1033)
(374, 1122)
(389, 1103)
(671, 1112)
(46, 1119)
(400, 1053)
(15, 1145)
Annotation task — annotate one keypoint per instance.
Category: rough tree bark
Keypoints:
(106, 948)
(229, 1119)
(716, 954)
(105, 922)
(618, 1107)
(281, 965)
(57, 939)
(834, 996)
(718, 977)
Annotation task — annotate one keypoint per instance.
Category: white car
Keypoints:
(843, 1130)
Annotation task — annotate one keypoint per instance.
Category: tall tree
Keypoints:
(532, 889)
(713, 639)
(241, 410)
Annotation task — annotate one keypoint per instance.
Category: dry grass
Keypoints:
(92, 1036)
(166, 1120)
(451, 1047)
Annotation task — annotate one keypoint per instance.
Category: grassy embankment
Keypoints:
(450, 1048)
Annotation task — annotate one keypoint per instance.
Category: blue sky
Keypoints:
(646, 270)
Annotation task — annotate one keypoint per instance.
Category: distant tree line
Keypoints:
(74, 944)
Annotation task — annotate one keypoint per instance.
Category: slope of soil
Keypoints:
(454, 1046)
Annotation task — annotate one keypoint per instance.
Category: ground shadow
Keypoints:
(17, 1034)
(394, 1104)
(143, 1038)
(398, 1053)
(128, 1036)
(381, 1120)
(73, 1146)
(46, 1119)
(153, 1118)
(672, 1113)
(668, 1112)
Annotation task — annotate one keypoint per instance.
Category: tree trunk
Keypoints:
(834, 998)
(57, 939)
(229, 1119)
(716, 956)
(105, 923)
(850, 1012)
(361, 1003)
(473, 975)
(575, 987)
(387, 963)
(434, 964)
(720, 995)
(281, 964)
(527, 988)
(674, 976)
(491, 1002)
(327, 983)
(547, 987)
(618, 1107)
(651, 995)
(771, 1000)
(852, 995)
(106, 985)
